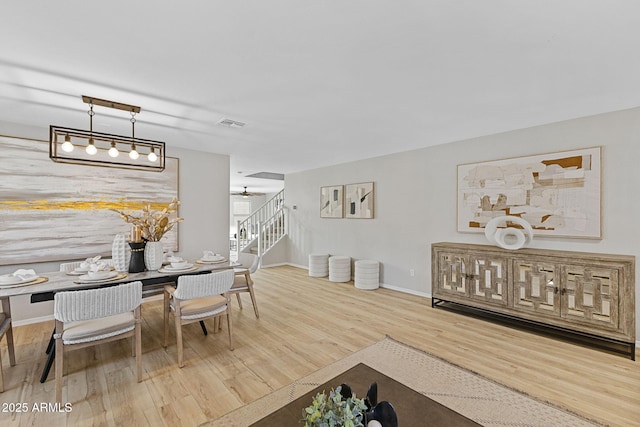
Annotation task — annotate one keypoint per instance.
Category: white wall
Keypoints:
(204, 204)
(415, 198)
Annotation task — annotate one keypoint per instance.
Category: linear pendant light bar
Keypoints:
(103, 143)
(88, 147)
(110, 104)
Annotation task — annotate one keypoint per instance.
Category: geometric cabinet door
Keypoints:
(478, 278)
(590, 295)
(536, 287)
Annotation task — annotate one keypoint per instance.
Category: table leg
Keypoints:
(51, 342)
(204, 327)
(47, 365)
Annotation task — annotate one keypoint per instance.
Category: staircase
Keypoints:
(264, 228)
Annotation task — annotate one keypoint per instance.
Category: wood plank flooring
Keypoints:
(305, 324)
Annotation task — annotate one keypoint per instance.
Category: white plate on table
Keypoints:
(107, 276)
(213, 260)
(10, 279)
(82, 271)
(169, 268)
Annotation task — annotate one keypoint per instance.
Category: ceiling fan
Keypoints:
(246, 194)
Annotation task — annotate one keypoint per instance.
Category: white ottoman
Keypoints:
(367, 275)
(339, 268)
(318, 265)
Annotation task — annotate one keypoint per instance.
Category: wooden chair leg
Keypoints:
(253, 301)
(167, 308)
(239, 300)
(179, 341)
(138, 341)
(229, 328)
(59, 351)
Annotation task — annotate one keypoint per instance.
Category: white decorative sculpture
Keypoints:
(508, 237)
(120, 253)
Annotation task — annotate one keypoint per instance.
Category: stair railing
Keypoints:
(249, 229)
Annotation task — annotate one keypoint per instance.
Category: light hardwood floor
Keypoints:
(305, 324)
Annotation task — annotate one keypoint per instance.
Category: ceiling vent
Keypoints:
(231, 123)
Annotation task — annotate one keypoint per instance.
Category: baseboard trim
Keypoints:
(280, 264)
(405, 290)
(32, 320)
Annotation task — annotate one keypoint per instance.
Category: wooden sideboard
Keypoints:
(582, 295)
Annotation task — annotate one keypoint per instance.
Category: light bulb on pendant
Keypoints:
(152, 155)
(91, 148)
(133, 154)
(113, 151)
(67, 146)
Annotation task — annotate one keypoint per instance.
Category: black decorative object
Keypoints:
(384, 413)
(136, 265)
(372, 396)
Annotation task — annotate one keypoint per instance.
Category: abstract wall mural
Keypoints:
(331, 201)
(52, 211)
(359, 200)
(559, 194)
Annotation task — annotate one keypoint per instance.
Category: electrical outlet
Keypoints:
(412, 272)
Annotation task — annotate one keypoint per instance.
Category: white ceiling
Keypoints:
(317, 82)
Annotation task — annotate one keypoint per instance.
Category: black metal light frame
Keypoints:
(103, 141)
(80, 139)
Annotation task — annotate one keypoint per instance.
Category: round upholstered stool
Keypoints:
(367, 274)
(318, 265)
(339, 268)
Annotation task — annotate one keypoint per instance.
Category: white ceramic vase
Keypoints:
(153, 252)
(120, 253)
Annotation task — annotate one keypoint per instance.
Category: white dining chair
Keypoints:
(67, 267)
(95, 316)
(242, 282)
(198, 297)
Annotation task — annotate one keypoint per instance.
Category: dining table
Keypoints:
(45, 286)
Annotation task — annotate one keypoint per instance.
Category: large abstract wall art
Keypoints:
(559, 194)
(54, 211)
(331, 202)
(359, 200)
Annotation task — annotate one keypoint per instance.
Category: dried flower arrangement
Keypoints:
(153, 224)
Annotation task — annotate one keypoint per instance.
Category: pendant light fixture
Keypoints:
(102, 149)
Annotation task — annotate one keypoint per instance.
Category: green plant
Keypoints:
(334, 411)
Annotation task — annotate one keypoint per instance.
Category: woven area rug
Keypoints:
(465, 392)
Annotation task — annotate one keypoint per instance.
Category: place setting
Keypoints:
(177, 265)
(20, 277)
(85, 266)
(99, 272)
(209, 257)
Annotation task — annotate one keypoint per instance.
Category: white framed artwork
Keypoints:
(331, 199)
(559, 193)
(359, 200)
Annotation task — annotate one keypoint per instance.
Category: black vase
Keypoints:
(136, 265)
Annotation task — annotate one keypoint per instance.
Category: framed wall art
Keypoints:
(559, 194)
(55, 211)
(359, 200)
(331, 199)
